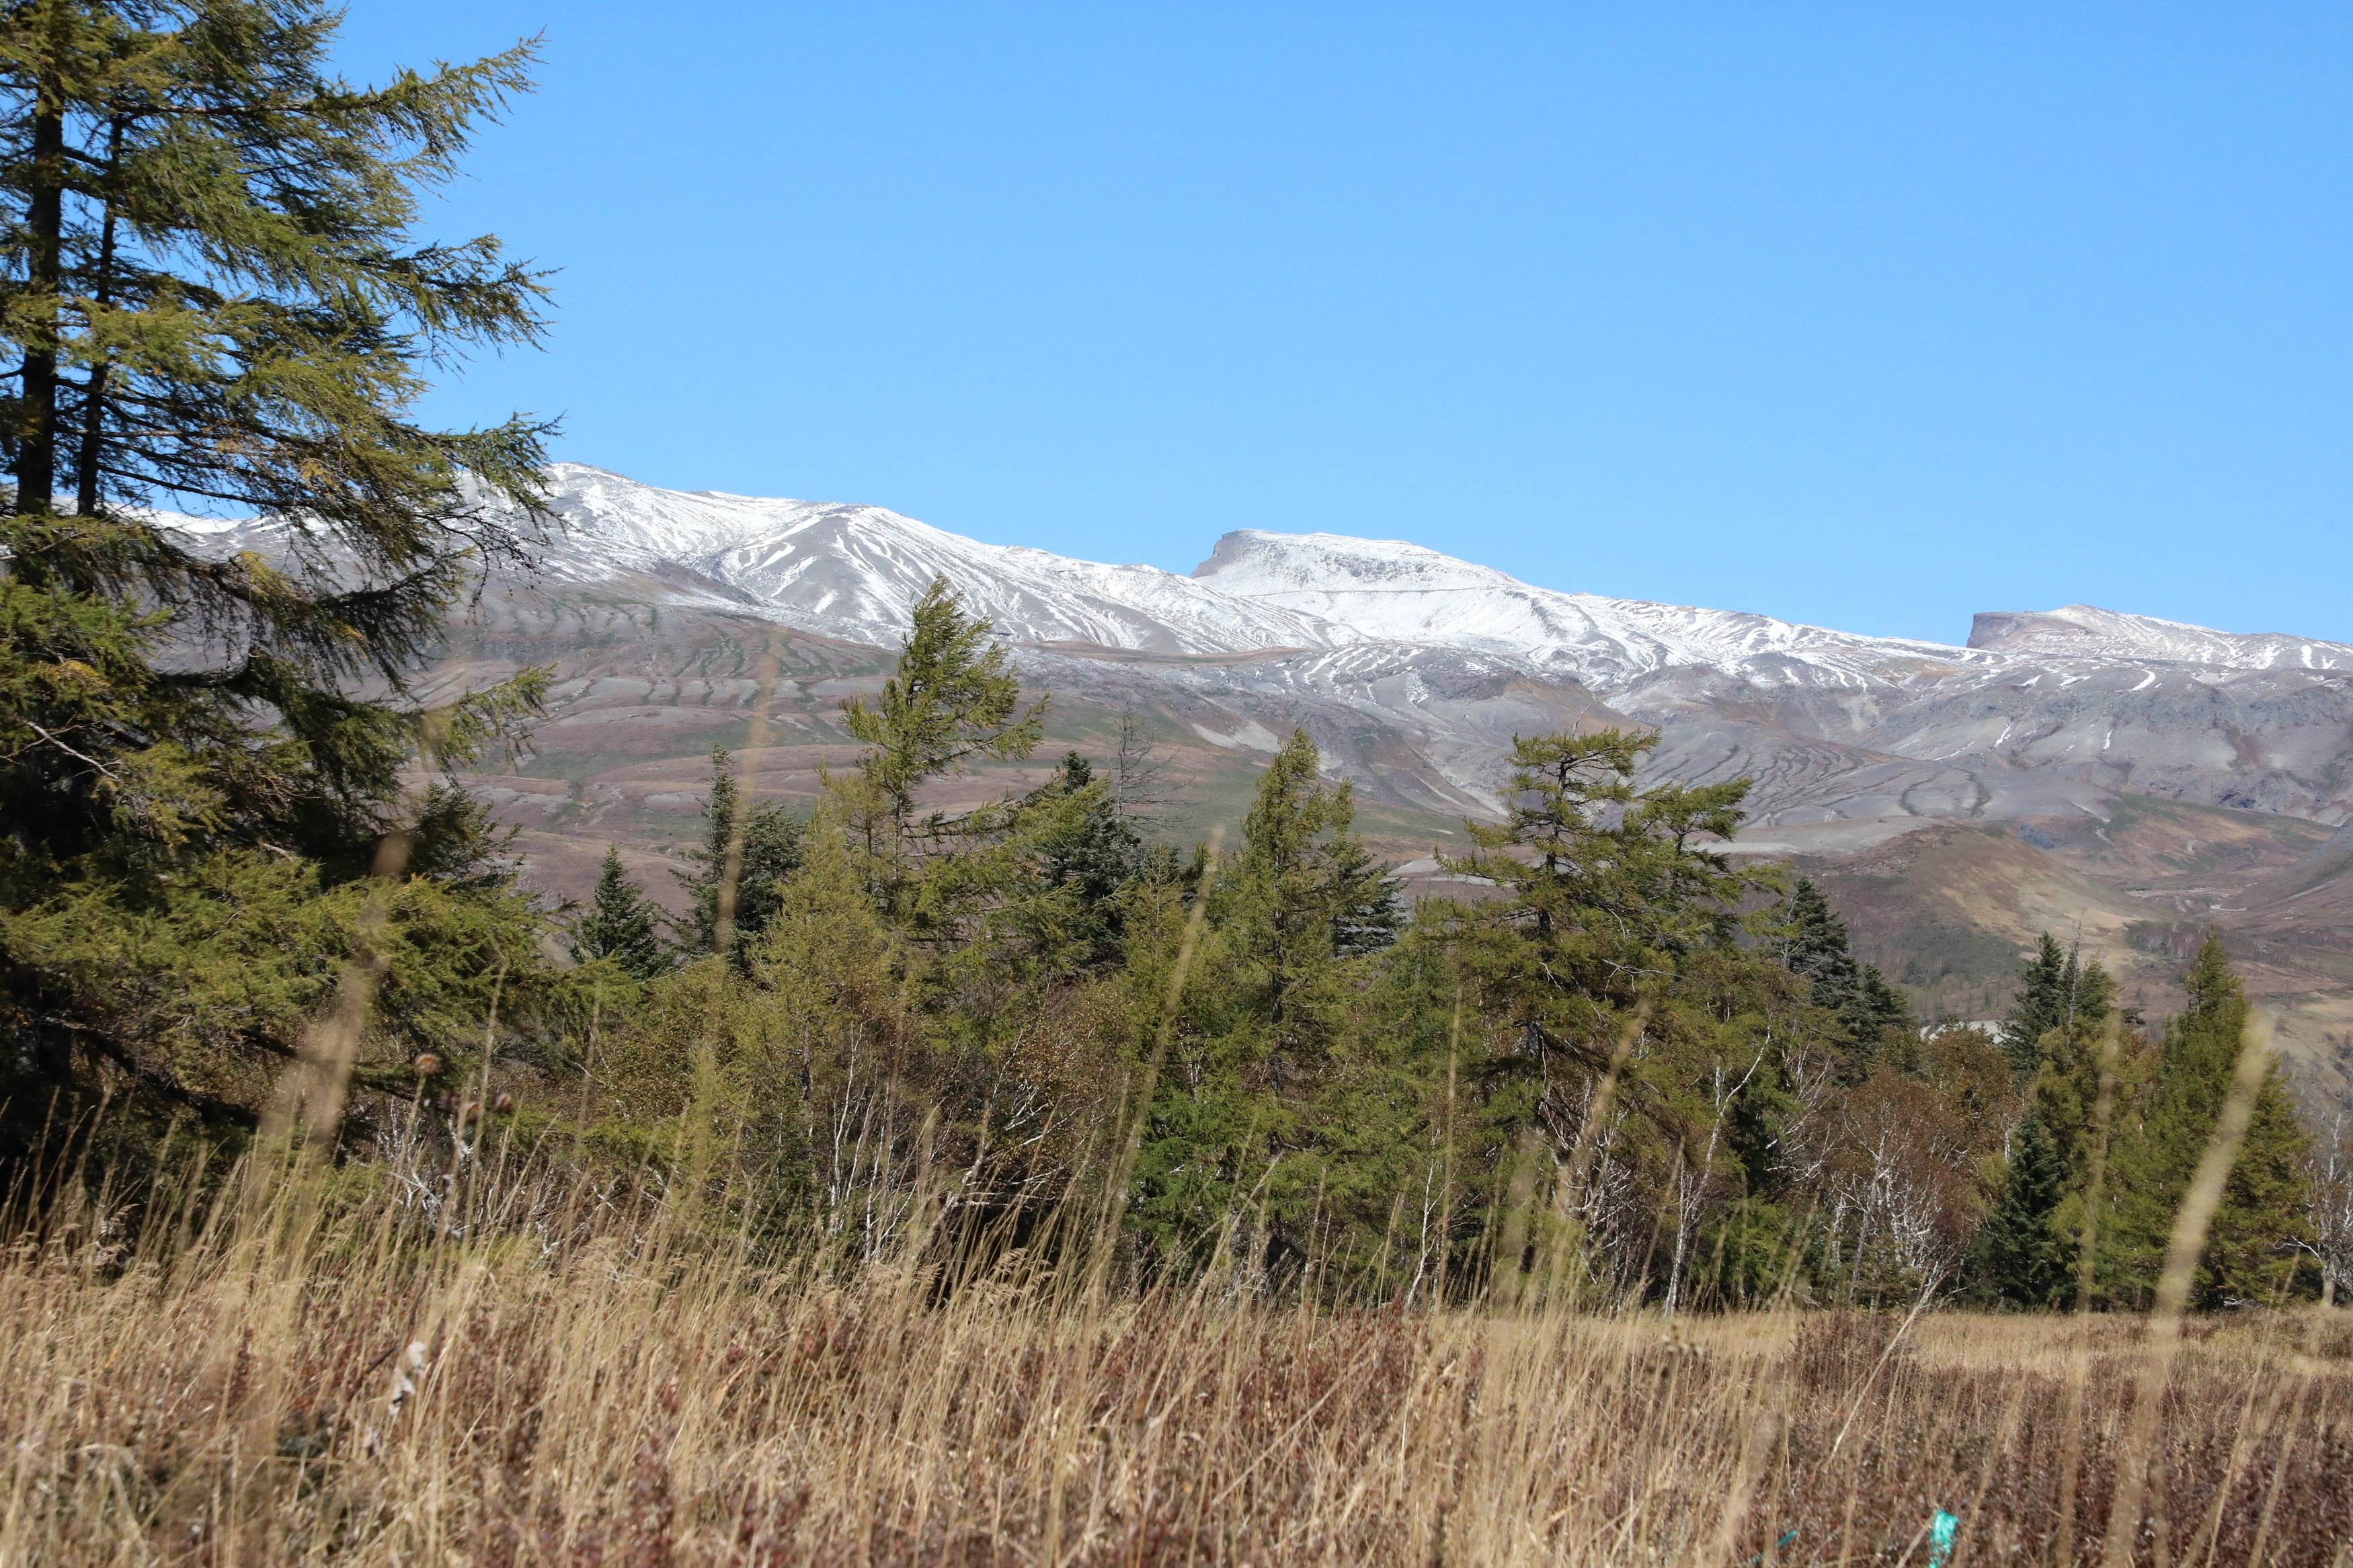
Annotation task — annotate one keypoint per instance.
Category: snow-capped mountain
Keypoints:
(1415, 668)
(857, 570)
(1446, 659)
(2083, 631)
(1386, 591)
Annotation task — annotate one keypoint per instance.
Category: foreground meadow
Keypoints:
(322, 1374)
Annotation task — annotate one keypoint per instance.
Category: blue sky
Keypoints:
(1868, 316)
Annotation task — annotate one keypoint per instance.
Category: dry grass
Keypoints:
(249, 1394)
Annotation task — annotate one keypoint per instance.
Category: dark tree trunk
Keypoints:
(37, 450)
(93, 408)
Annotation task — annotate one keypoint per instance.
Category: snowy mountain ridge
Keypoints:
(855, 571)
(2085, 631)
(1414, 669)
(1388, 591)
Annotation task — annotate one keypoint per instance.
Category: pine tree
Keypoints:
(1249, 1112)
(1371, 912)
(740, 866)
(1603, 884)
(619, 923)
(2261, 1230)
(1621, 927)
(457, 842)
(2038, 1007)
(2021, 1256)
(1303, 894)
(1870, 1011)
(1087, 851)
(951, 701)
(218, 301)
(2057, 990)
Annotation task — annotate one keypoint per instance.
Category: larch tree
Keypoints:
(214, 297)
(951, 701)
(1242, 1126)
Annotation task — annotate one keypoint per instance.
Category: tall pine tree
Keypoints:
(2261, 1232)
(741, 866)
(620, 925)
(1872, 1013)
(217, 300)
(2021, 1257)
(1086, 851)
(2038, 1007)
(1239, 1134)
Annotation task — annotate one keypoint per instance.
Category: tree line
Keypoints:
(1625, 1066)
(1622, 1068)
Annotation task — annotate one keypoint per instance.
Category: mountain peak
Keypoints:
(1257, 561)
(2087, 631)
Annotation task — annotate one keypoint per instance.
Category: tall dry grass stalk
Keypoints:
(540, 1373)
(504, 1362)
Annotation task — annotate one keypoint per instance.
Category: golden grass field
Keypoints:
(322, 1372)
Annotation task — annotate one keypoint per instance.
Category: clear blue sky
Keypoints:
(1864, 315)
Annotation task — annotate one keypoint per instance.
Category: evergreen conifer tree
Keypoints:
(1604, 885)
(2057, 990)
(1302, 894)
(1087, 851)
(1621, 923)
(1247, 1113)
(1870, 1011)
(2022, 1258)
(457, 842)
(2261, 1230)
(620, 924)
(951, 701)
(769, 852)
(217, 299)
(214, 298)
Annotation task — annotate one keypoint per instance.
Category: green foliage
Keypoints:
(217, 299)
(953, 698)
(1874, 1015)
(2256, 1244)
(741, 866)
(2022, 1258)
(1606, 890)
(1245, 1133)
(1085, 850)
(2069, 1000)
(1619, 964)
(619, 924)
(455, 842)
(2057, 990)
(2038, 1005)
(200, 990)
